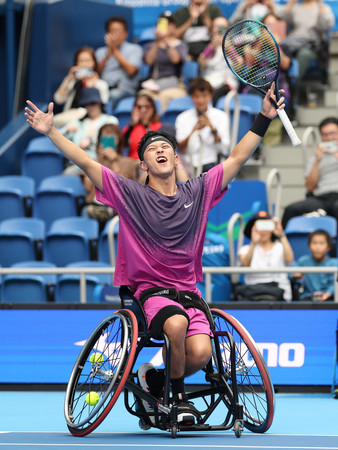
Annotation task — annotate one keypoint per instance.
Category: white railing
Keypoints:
(208, 272)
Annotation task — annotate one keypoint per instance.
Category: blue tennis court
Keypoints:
(35, 420)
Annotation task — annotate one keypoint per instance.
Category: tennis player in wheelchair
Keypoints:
(161, 235)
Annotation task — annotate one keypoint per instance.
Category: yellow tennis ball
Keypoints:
(96, 358)
(335, 393)
(92, 398)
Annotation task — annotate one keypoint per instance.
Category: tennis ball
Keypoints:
(335, 393)
(92, 398)
(96, 358)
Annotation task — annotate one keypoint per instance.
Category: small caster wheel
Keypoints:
(143, 425)
(238, 428)
(174, 431)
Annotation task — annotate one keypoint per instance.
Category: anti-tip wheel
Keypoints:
(238, 428)
(174, 431)
(143, 425)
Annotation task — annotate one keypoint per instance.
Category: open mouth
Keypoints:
(161, 159)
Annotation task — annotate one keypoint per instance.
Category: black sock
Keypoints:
(155, 380)
(177, 386)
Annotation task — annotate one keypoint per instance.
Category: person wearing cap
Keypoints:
(84, 132)
(269, 247)
(165, 56)
(161, 235)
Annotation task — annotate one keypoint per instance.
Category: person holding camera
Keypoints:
(165, 57)
(269, 247)
(211, 62)
(194, 23)
(82, 74)
(321, 179)
(84, 132)
(252, 10)
(202, 132)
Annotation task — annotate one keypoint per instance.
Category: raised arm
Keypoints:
(248, 144)
(43, 123)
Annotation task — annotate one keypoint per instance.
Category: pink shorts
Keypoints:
(199, 323)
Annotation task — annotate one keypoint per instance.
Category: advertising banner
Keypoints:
(41, 346)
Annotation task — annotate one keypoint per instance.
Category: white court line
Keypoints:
(173, 446)
(199, 433)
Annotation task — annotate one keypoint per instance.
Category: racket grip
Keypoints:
(288, 127)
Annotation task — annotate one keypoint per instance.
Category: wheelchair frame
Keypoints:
(236, 377)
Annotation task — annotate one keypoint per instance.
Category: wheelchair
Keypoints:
(237, 381)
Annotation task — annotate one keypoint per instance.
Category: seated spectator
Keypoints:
(144, 117)
(251, 9)
(269, 247)
(211, 60)
(317, 286)
(82, 74)
(119, 61)
(109, 153)
(321, 177)
(194, 25)
(84, 132)
(165, 56)
(308, 21)
(202, 132)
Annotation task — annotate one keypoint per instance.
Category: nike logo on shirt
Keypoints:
(188, 206)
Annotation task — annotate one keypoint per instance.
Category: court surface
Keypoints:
(35, 420)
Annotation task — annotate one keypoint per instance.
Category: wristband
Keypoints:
(260, 125)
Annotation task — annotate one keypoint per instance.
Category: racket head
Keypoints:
(252, 54)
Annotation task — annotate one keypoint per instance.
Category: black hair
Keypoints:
(320, 232)
(140, 147)
(328, 121)
(200, 84)
(119, 19)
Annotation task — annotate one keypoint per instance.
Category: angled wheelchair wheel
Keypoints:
(100, 372)
(254, 386)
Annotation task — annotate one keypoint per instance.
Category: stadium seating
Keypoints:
(249, 106)
(147, 35)
(16, 196)
(245, 197)
(175, 107)
(216, 254)
(190, 70)
(71, 239)
(59, 196)
(41, 159)
(123, 111)
(104, 253)
(298, 229)
(21, 239)
(29, 288)
(68, 285)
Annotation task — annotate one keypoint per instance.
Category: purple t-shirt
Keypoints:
(161, 237)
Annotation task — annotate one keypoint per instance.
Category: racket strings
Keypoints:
(252, 54)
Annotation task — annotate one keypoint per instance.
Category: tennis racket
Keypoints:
(252, 53)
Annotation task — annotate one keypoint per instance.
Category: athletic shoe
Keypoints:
(187, 414)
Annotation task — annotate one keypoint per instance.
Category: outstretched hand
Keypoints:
(40, 121)
(268, 108)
